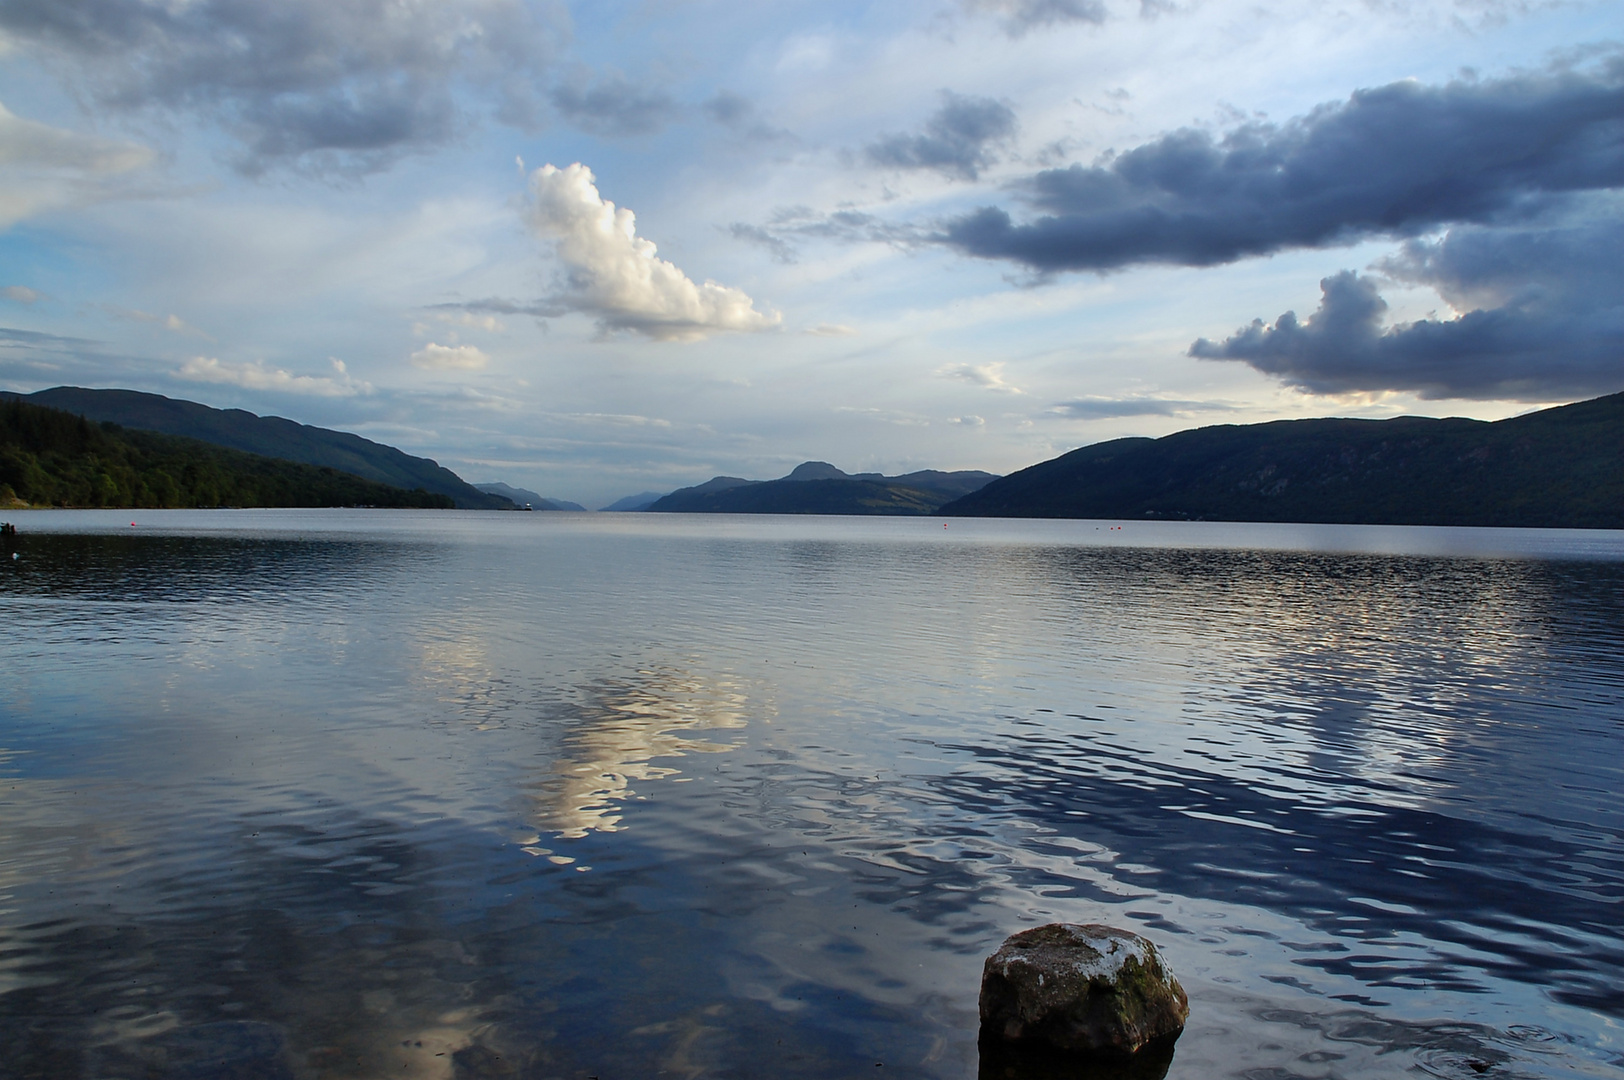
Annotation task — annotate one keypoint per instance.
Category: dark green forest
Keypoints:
(267, 436)
(53, 458)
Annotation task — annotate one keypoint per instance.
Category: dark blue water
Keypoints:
(429, 794)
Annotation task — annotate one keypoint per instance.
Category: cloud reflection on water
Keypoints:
(1340, 789)
(615, 736)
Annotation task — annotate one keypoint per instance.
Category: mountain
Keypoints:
(49, 457)
(633, 503)
(1556, 468)
(523, 496)
(269, 436)
(817, 487)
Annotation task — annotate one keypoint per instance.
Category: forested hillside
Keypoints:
(53, 458)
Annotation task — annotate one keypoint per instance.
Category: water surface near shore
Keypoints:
(394, 793)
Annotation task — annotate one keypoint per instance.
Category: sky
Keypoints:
(594, 249)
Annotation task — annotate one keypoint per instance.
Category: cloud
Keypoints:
(449, 358)
(45, 168)
(343, 86)
(30, 144)
(255, 376)
(1020, 16)
(970, 420)
(990, 375)
(616, 277)
(886, 416)
(1542, 319)
(462, 316)
(20, 294)
(957, 142)
(830, 330)
(1397, 160)
(173, 323)
(848, 226)
(613, 105)
(740, 114)
(497, 305)
(1116, 408)
(780, 249)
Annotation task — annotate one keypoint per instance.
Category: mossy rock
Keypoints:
(1085, 989)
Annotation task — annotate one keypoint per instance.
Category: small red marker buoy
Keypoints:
(132, 524)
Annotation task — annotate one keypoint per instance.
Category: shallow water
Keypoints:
(433, 794)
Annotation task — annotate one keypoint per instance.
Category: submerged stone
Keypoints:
(1084, 990)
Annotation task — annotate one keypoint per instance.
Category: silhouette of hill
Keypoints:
(521, 496)
(632, 503)
(1556, 468)
(269, 436)
(817, 487)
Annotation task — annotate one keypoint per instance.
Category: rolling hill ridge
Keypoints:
(1555, 468)
(267, 436)
(817, 487)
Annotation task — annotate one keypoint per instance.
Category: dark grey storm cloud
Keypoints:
(345, 86)
(1543, 320)
(958, 141)
(613, 105)
(1397, 160)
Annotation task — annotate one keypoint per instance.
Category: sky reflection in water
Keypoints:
(394, 794)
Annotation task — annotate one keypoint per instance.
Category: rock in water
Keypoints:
(1083, 989)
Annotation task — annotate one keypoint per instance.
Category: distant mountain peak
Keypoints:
(816, 470)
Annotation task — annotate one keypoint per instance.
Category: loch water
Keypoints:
(367, 794)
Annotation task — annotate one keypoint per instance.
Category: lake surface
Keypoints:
(434, 794)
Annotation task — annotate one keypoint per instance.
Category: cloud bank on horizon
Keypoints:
(1063, 220)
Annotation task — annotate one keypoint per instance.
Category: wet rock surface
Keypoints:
(1082, 991)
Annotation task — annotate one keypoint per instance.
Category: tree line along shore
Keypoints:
(53, 458)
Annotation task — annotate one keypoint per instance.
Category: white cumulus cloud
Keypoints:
(449, 358)
(615, 276)
(256, 376)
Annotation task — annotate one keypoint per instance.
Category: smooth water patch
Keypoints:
(346, 794)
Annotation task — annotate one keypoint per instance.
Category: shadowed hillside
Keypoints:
(1557, 468)
(53, 458)
(269, 436)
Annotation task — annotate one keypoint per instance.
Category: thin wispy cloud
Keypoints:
(989, 376)
(256, 376)
(1020, 17)
(611, 104)
(1116, 408)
